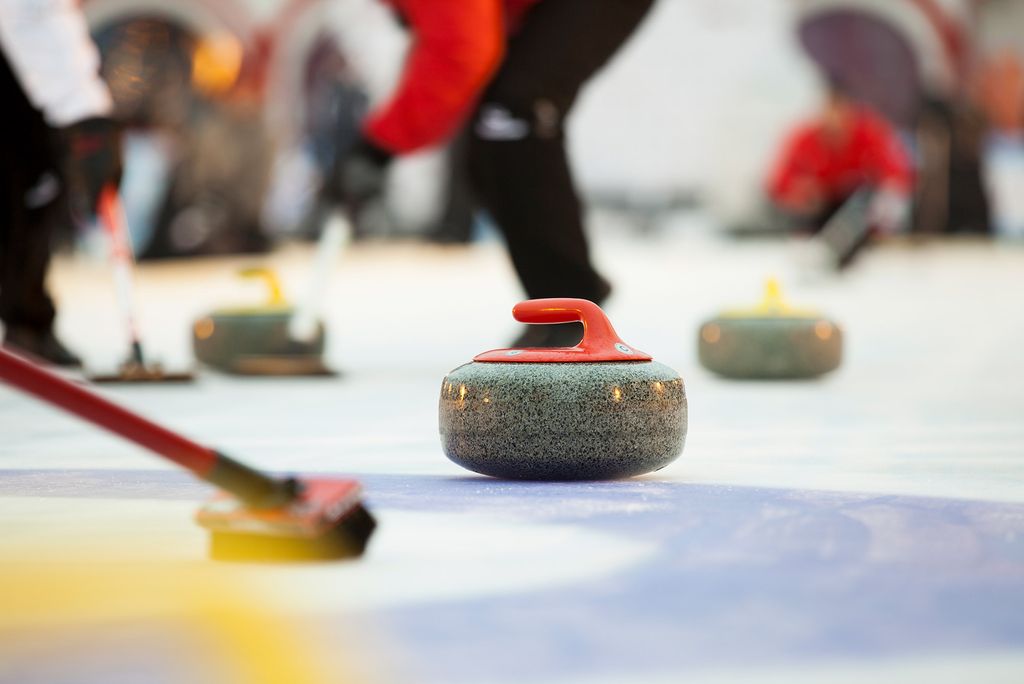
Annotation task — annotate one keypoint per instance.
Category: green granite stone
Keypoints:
(222, 338)
(770, 347)
(563, 421)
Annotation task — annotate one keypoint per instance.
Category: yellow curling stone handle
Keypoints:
(772, 305)
(275, 302)
(275, 299)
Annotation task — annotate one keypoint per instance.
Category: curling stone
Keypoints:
(599, 410)
(770, 341)
(256, 340)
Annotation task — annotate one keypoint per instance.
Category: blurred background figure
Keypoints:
(59, 138)
(844, 150)
(526, 85)
(237, 112)
(926, 67)
(950, 141)
(999, 89)
(197, 150)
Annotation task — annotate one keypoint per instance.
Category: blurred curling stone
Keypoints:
(599, 410)
(255, 340)
(276, 339)
(770, 341)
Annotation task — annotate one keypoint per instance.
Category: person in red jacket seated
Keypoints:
(512, 69)
(847, 148)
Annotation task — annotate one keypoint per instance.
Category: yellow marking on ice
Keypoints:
(250, 643)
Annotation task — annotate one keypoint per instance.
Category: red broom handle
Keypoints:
(92, 407)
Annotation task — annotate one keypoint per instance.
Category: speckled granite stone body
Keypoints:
(563, 421)
(770, 347)
(220, 339)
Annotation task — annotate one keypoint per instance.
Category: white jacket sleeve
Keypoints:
(48, 46)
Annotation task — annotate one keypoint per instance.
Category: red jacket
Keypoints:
(871, 154)
(457, 47)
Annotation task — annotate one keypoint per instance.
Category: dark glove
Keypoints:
(357, 176)
(94, 160)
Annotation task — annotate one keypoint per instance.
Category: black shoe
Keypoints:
(42, 344)
(551, 335)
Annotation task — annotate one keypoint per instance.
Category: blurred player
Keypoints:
(56, 110)
(514, 68)
(846, 150)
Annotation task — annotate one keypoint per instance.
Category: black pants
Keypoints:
(517, 154)
(29, 185)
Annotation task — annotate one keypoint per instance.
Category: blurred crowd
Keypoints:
(230, 124)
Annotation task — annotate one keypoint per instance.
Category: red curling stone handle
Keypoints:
(600, 342)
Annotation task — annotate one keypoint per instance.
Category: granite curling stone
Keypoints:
(600, 410)
(255, 340)
(770, 341)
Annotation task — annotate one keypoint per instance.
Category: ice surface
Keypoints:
(870, 522)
